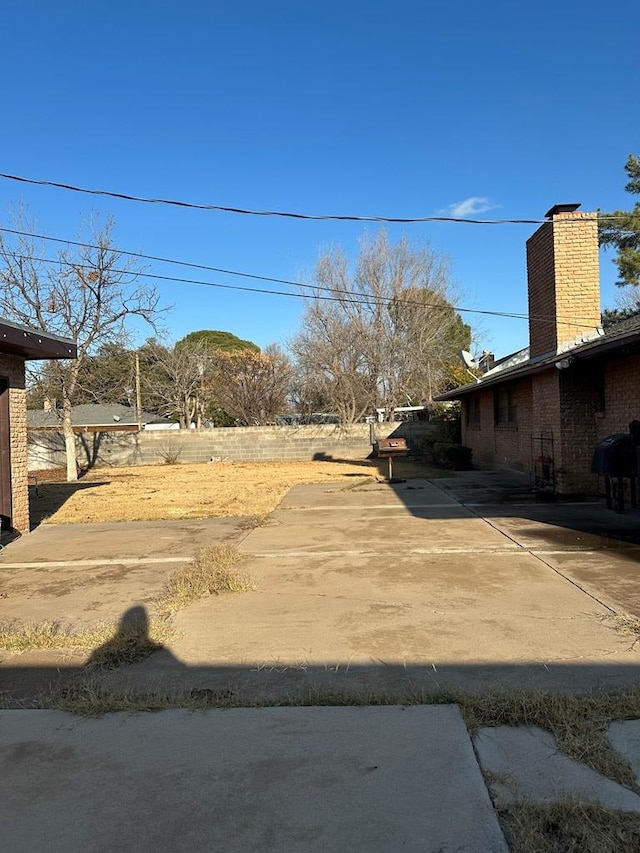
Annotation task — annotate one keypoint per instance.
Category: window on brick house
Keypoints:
(472, 407)
(506, 410)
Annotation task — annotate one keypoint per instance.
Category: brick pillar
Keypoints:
(13, 368)
(563, 280)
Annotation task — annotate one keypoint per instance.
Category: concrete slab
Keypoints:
(341, 530)
(381, 589)
(275, 779)
(79, 574)
(122, 540)
(76, 595)
(392, 625)
(610, 576)
(412, 492)
(535, 529)
(624, 736)
(526, 766)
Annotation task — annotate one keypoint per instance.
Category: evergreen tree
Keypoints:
(621, 229)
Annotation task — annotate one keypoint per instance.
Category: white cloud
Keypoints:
(469, 207)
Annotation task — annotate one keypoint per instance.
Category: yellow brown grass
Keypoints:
(199, 490)
(214, 569)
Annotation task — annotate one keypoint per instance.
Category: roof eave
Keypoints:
(592, 349)
(34, 345)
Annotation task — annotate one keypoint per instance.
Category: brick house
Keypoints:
(19, 344)
(544, 408)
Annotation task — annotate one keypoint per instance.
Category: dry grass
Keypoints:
(569, 828)
(214, 569)
(578, 722)
(202, 490)
(110, 645)
(624, 624)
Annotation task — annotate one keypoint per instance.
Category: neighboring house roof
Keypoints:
(94, 415)
(34, 344)
(518, 365)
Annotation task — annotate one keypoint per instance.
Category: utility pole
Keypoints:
(138, 394)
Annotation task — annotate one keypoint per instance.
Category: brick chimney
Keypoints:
(563, 280)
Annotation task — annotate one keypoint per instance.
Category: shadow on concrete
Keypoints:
(47, 498)
(503, 497)
(130, 643)
(163, 677)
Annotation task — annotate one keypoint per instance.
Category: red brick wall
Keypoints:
(13, 368)
(621, 394)
(568, 404)
(579, 402)
(492, 444)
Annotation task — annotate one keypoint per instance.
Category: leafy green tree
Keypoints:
(208, 344)
(621, 229)
(212, 339)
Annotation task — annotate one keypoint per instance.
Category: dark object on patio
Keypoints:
(616, 457)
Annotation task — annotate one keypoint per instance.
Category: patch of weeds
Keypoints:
(212, 571)
(623, 623)
(578, 722)
(254, 521)
(91, 697)
(169, 451)
(130, 644)
(112, 646)
(569, 828)
(357, 485)
(51, 635)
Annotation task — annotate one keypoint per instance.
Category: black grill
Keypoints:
(615, 456)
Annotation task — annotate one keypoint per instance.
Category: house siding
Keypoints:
(568, 406)
(13, 368)
(495, 445)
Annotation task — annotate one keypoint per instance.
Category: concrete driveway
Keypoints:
(460, 582)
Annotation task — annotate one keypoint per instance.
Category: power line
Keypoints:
(285, 214)
(366, 298)
(161, 259)
(341, 299)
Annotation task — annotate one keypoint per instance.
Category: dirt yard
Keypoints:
(203, 490)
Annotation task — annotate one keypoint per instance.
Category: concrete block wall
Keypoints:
(232, 444)
(13, 368)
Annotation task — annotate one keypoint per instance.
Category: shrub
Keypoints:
(455, 457)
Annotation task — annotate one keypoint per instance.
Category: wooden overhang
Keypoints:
(33, 344)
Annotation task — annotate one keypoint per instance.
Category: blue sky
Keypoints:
(402, 109)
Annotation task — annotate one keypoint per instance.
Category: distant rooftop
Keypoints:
(95, 414)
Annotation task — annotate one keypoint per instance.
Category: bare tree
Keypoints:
(174, 378)
(388, 332)
(251, 386)
(88, 295)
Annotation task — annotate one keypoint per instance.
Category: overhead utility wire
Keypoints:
(164, 260)
(342, 299)
(351, 293)
(281, 213)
